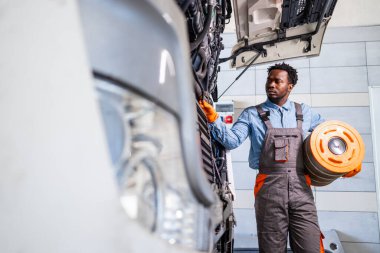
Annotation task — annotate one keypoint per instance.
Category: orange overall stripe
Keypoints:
(308, 180)
(260, 180)
(321, 248)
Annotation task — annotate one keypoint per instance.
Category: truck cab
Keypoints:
(105, 148)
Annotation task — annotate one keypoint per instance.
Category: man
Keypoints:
(284, 201)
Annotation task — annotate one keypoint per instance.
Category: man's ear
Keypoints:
(290, 87)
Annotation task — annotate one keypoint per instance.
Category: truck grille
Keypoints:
(205, 140)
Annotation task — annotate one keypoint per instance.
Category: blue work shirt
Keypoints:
(250, 124)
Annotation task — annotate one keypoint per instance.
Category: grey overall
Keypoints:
(284, 202)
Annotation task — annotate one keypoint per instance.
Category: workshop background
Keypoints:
(338, 84)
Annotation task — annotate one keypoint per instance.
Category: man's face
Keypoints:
(278, 87)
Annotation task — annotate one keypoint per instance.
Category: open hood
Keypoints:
(272, 30)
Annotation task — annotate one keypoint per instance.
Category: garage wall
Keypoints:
(350, 13)
(335, 84)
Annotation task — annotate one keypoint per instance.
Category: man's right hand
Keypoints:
(210, 112)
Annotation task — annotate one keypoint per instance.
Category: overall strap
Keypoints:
(299, 115)
(264, 116)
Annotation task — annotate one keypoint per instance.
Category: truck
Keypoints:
(105, 148)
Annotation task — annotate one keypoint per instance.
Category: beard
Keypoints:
(278, 99)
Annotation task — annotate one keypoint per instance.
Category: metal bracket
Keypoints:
(281, 34)
(260, 49)
(308, 40)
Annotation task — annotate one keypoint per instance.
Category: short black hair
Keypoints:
(292, 72)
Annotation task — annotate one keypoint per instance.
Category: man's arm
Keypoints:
(315, 118)
(232, 137)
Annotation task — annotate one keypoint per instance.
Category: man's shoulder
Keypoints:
(250, 110)
(303, 105)
(306, 109)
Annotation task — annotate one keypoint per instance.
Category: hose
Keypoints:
(195, 44)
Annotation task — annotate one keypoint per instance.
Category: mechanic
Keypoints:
(284, 201)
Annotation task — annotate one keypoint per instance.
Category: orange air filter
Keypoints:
(332, 150)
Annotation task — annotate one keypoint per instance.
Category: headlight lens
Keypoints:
(145, 148)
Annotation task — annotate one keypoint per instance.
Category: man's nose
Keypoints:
(270, 84)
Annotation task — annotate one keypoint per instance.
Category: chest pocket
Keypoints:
(286, 147)
(281, 150)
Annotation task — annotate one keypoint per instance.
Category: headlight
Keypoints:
(145, 148)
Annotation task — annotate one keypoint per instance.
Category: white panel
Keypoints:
(339, 99)
(349, 13)
(373, 53)
(246, 222)
(229, 39)
(261, 78)
(244, 86)
(244, 199)
(375, 119)
(340, 54)
(226, 52)
(357, 117)
(301, 98)
(240, 102)
(225, 67)
(361, 247)
(351, 226)
(368, 157)
(374, 75)
(364, 181)
(244, 176)
(261, 99)
(339, 80)
(246, 241)
(346, 201)
(350, 34)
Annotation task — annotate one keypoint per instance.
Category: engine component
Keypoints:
(206, 20)
(332, 150)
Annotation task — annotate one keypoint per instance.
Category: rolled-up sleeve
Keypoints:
(315, 118)
(232, 137)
